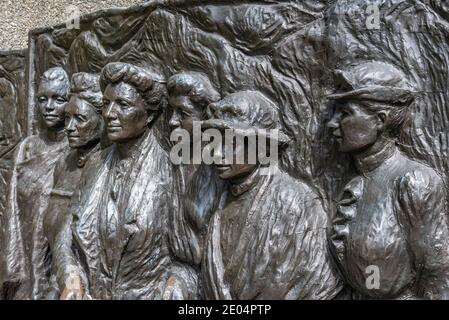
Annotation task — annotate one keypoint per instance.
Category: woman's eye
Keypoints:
(186, 115)
(61, 100)
(345, 114)
(81, 118)
(123, 103)
(42, 99)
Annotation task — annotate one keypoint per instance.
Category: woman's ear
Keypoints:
(152, 116)
(382, 119)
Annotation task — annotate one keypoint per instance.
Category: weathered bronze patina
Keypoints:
(352, 96)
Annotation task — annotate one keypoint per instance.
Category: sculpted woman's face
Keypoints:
(185, 112)
(354, 128)
(83, 123)
(124, 112)
(52, 100)
(234, 170)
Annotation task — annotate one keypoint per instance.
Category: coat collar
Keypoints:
(372, 162)
(247, 184)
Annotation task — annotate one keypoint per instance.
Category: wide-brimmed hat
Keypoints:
(246, 113)
(376, 81)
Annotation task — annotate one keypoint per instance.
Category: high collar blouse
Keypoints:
(390, 235)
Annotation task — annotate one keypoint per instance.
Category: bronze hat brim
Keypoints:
(375, 93)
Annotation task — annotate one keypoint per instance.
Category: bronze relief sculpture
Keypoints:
(12, 86)
(200, 189)
(8, 125)
(31, 181)
(393, 214)
(271, 231)
(93, 206)
(121, 208)
(84, 128)
(12, 129)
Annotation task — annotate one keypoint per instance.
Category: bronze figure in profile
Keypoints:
(269, 240)
(391, 218)
(199, 187)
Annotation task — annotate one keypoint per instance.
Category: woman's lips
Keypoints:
(51, 116)
(222, 167)
(337, 135)
(114, 128)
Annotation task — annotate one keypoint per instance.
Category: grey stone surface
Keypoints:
(17, 17)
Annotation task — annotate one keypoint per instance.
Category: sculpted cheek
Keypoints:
(347, 128)
(136, 116)
(358, 132)
(187, 124)
(59, 108)
(88, 129)
(367, 129)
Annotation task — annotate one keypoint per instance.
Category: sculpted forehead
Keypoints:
(121, 90)
(55, 87)
(78, 106)
(352, 106)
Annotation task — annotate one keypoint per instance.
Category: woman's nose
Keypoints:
(220, 154)
(333, 123)
(70, 127)
(49, 105)
(109, 112)
(175, 120)
(210, 110)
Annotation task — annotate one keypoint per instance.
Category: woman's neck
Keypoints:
(55, 134)
(372, 157)
(83, 153)
(88, 148)
(127, 149)
(246, 182)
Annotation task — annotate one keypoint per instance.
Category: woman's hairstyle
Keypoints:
(150, 84)
(398, 114)
(250, 107)
(379, 87)
(57, 74)
(194, 85)
(86, 86)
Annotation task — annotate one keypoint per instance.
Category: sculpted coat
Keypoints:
(269, 239)
(120, 227)
(125, 195)
(391, 218)
(269, 242)
(394, 218)
(25, 267)
(83, 126)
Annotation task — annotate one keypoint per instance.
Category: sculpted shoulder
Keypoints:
(291, 190)
(421, 192)
(28, 148)
(420, 177)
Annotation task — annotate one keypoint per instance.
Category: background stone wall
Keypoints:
(17, 17)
